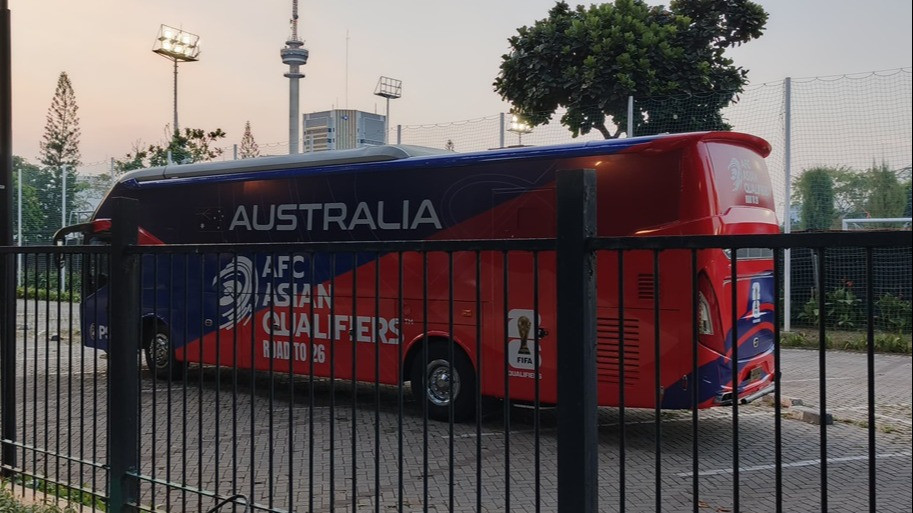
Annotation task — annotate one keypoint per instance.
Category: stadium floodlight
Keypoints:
(177, 45)
(391, 89)
(519, 126)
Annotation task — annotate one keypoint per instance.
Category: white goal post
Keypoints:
(860, 224)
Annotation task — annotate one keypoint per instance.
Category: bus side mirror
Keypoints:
(60, 239)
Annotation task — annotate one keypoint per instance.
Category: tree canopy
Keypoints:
(589, 60)
(193, 145)
(814, 189)
(60, 143)
(59, 147)
(249, 148)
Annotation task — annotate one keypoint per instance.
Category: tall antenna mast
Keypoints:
(295, 55)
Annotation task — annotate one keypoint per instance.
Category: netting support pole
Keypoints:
(501, 132)
(787, 218)
(630, 116)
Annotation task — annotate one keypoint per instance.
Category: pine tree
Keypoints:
(249, 148)
(59, 147)
(61, 130)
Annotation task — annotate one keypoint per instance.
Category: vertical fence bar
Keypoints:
(314, 291)
(778, 428)
(577, 415)
(353, 339)
(424, 383)
(870, 372)
(377, 315)
(478, 390)
(123, 389)
(822, 375)
(536, 392)
(399, 386)
(734, 362)
(450, 358)
(695, 385)
(505, 299)
(658, 389)
(621, 382)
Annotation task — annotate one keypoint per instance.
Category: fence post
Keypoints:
(7, 262)
(630, 116)
(787, 215)
(501, 132)
(123, 387)
(576, 277)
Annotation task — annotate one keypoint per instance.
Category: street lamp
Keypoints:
(177, 45)
(519, 127)
(391, 89)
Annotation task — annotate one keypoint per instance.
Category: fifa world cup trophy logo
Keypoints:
(523, 326)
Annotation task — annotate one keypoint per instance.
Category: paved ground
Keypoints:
(285, 431)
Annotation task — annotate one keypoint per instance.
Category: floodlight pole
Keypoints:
(177, 45)
(391, 89)
(387, 123)
(176, 128)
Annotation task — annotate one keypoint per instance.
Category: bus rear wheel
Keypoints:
(160, 356)
(438, 382)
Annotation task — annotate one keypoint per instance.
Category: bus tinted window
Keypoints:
(741, 177)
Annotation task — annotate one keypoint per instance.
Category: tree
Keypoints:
(887, 197)
(814, 190)
(59, 147)
(33, 218)
(60, 144)
(908, 186)
(851, 191)
(249, 148)
(194, 145)
(591, 59)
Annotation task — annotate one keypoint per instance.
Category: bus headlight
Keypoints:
(704, 322)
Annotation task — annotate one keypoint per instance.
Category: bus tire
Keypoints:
(160, 356)
(432, 383)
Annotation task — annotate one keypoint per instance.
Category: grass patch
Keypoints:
(74, 496)
(9, 504)
(896, 343)
(46, 294)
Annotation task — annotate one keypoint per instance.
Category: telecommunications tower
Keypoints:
(295, 55)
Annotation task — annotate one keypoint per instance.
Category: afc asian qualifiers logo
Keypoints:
(238, 282)
(520, 345)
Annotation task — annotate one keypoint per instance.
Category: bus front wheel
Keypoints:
(437, 382)
(160, 356)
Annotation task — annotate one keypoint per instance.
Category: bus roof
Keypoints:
(386, 153)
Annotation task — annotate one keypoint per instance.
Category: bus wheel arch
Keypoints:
(158, 352)
(433, 381)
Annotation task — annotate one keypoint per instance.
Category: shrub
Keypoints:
(894, 314)
(841, 306)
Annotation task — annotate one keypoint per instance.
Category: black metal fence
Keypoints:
(101, 430)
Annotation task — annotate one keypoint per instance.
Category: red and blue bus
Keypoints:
(291, 312)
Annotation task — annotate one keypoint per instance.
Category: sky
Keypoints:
(446, 53)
